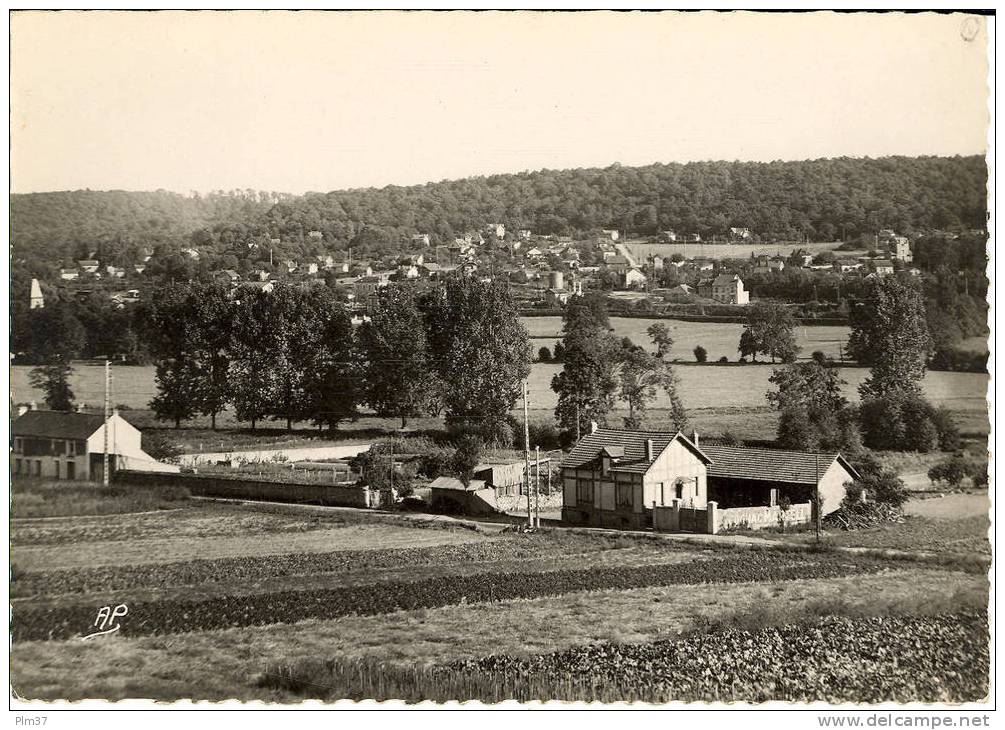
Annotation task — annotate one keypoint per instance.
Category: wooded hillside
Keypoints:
(821, 199)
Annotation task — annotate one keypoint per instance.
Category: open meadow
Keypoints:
(284, 603)
(642, 250)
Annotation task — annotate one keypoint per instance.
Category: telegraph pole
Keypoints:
(526, 451)
(537, 486)
(816, 474)
(577, 418)
(104, 463)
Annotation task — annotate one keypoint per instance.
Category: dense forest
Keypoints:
(817, 199)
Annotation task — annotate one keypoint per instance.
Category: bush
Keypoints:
(559, 352)
(545, 435)
(436, 462)
(544, 355)
(160, 446)
(728, 438)
(466, 457)
(723, 359)
(819, 357)
(898, 423)
(700, 354)
(950, 472)
(879, 484)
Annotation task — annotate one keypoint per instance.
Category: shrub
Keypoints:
(160, 446)
(723, 359)
(558, 355)
(436, 462)
(879, 484)
(467, 456)
(728, 438)
(950, 472)
(700, 354)
(819, 357)
(545, 435)
(899, 423)
(544, 355)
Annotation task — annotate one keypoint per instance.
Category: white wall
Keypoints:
(676, 461)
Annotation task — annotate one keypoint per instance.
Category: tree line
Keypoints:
(295, 355)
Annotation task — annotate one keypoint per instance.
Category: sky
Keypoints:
(293, 102)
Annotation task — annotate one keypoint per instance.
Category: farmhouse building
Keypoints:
(641, 479)
(611, 478)
(63, 445)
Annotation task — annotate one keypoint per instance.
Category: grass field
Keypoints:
(251, 602)
(642, 250)
(701, 386)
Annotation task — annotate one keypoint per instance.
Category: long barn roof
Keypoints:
(771, 465)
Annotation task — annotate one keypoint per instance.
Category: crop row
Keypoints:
(172, 616)
(940, 658)
(258, 568)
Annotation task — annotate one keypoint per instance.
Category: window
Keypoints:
(584, 491)
(679, 489)
(623, 496)
(71, 447)
(38, 467)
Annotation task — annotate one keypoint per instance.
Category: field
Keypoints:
(642, 250)
(722, 387)
(282, 603)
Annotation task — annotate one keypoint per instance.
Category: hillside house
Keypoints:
(610, 234)
(639, 479)
(881, 267)
(68, 274)
(740, 234)
(420, 239)
(900, 249)
(139, 268)
(768, 264)
(667, 237)
(64, 445)
(315, 235)
(523, 234)
(498, 230)
(728, 289)
(633, 278)
(191, 253)
(262, 286)
(35, 299)
(88, 266)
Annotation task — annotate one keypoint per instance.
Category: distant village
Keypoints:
(544, 271)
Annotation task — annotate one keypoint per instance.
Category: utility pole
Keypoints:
(104, 463)
(577, 418)
(816, 474)
(526, 450)
(537, 486)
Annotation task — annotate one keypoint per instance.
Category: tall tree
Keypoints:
(770, 329)
(660, 335)
(400, 379)
(332, 388)
(481, 350)
(588, 383)
(814, 413)
(53, 379)
(890, 333)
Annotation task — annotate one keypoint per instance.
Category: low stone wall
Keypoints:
(757, 518)
(215, 486)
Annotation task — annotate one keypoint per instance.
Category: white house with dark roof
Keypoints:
(71, 445)
(635, 479)
(612, 478)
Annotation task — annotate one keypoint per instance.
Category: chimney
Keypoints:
(593, 426)
(649, 449)
(694, 438)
